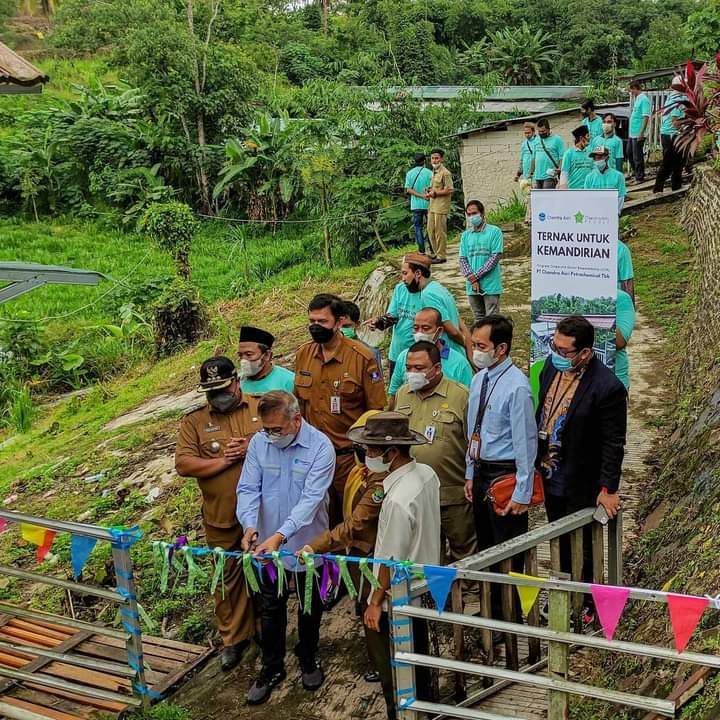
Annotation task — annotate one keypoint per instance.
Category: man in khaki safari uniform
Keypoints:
(439, 195)
(211, 447)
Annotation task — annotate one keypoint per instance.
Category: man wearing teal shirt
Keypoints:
(257, 373)
(639, 119)
(428, 326)
(603, 177)
(611, 141)
(624, 324)
(576, 164)
(417, 182)
(481, 248)
(545, 166)
(527, 151)
(672, 159)
(415, 291)
(625, 271)
(591, 119)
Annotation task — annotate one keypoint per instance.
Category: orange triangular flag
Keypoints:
(42, 537)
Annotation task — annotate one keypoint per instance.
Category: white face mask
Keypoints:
(435, 165)
(608, 127)
(376, 464)
(483, 358)
(250, 368)
(281, 441)
(427, 337)
(417, 380)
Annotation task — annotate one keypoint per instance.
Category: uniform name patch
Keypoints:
(210, 428)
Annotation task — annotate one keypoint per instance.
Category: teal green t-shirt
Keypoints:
(625, 322)
(594, 126)
(577, 164)
(624, 263)
(608, 180)
(672, 109)
(279, 378)
(641, 109)
(527, 150)
(477, 246)
(614, 144)
(555, 148)
(418, 179)
(454, 365)
(404, 305)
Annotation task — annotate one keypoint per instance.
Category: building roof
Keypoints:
(617, 108)
(659, 72)
(15, 70)
(502, 93)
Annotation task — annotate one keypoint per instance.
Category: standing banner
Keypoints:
(574, 268)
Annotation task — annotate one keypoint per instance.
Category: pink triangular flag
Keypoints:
(609, 602)
(685, 614)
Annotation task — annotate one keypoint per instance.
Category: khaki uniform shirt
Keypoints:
(358, 531)
(333, 394)
(442, 418)
(205, 433)
(441, 180)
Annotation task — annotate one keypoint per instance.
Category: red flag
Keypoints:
(685, 613)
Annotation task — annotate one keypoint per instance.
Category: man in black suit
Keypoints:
(582, 422)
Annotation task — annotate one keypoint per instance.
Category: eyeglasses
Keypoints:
(563, 353)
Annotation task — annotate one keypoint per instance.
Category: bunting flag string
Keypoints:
(280, 572)
(40, 536)
(219, 574)
(439, 580)
(80, 548)
(368, 574)
(528, 594)
(346, 578)
(193, 569)
(249, 572)
(310, 573)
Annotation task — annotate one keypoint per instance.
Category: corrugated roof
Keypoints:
(505, 93)
(617, 108)
(18, 71)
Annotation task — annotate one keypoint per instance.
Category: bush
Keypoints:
(172, 226)
(179, 319)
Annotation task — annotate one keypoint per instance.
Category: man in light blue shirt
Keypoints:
(417, 182)
(502, 436)
(428, 326)
(282, 500)
(639, 119)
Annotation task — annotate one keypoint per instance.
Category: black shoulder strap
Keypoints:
(552, 159)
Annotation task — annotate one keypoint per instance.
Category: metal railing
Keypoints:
(565, 596)
(124, 595)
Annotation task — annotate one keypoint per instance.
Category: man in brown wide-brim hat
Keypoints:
(408, 529)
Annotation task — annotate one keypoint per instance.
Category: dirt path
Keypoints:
(212, 695)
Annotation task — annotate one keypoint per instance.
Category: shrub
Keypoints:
(179, 319)
(172, 226)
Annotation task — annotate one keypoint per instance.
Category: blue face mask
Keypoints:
(475, 220)
(561, 363)
(600, 164)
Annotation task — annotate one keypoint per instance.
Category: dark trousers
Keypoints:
(492, 528)
(671, 166)
(559, 507)
(419, 220)
(547, 184)
(273, 618)
(380, 654)
(636, 155)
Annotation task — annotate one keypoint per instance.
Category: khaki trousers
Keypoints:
(437, 232)
(233, 611)
(457, 523)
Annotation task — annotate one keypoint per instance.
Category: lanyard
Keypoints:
(481, 410)
(553, 405)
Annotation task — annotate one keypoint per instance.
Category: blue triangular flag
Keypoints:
(439, 580)
(80, 549)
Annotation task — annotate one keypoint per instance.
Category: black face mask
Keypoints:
(320, 334)
(222, 401)
(414, 286)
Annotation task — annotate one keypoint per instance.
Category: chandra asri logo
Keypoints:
(542, 216)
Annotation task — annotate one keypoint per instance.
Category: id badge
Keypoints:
(335, 407)
(474, 449)
(430, 433)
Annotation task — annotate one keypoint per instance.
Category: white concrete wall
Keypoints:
(489, 159)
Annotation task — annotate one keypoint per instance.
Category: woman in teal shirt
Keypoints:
(481, 247)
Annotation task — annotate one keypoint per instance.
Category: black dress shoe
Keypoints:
(263, 686)
(232, 654)
(312, 675)
(372, 676)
